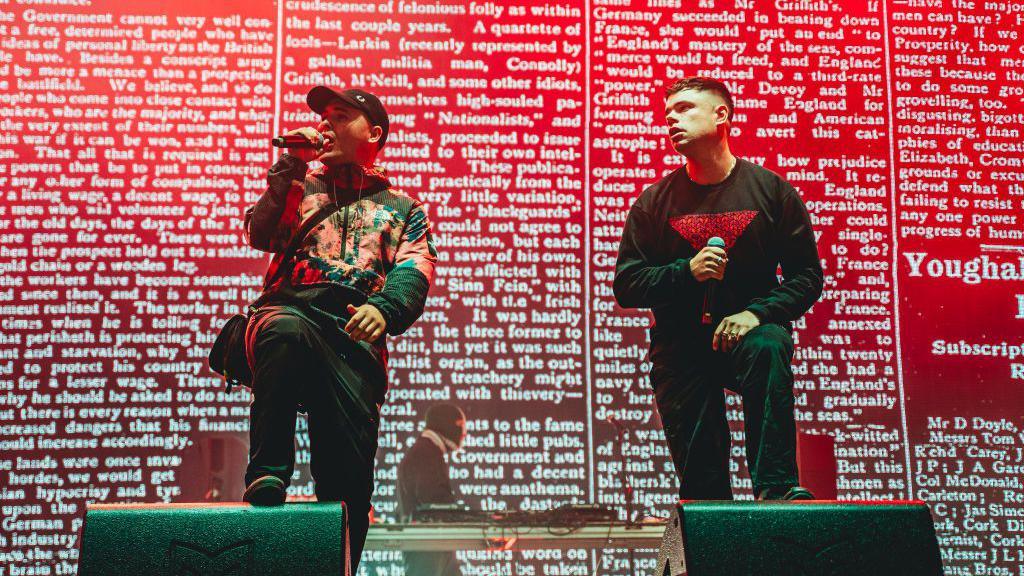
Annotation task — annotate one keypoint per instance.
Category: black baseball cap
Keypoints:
(320, 96)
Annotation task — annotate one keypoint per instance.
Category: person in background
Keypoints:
(423, 478)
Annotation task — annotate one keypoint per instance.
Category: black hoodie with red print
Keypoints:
(764, 225)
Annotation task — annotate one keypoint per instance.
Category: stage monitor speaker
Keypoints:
(215, 540)
(812, 538)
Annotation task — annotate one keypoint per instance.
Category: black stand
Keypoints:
(627, 485)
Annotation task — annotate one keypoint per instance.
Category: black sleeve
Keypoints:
(801, 266)
(435, 484)
(639, 282)
(404, 294)
(270, 222)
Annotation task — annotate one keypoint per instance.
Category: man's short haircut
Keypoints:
(703, 84)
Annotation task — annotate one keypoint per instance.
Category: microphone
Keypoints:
(709, 295)
(297, 141)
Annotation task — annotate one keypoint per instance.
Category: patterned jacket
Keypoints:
(378, 244)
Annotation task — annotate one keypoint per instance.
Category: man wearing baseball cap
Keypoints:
(316, 336)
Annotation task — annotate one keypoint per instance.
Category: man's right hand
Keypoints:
(709, 263)
(307, 154)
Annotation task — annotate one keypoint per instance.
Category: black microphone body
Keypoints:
(296, 141)
(709, 295)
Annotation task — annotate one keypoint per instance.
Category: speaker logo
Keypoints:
(192, 560)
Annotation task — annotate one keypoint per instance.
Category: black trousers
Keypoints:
(688, 380)
(297, 363)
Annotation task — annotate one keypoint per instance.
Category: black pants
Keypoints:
(688, 379)
(298, 363)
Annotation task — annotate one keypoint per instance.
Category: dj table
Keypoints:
(506, 536)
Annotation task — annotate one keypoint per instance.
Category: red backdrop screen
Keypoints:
(133, 135)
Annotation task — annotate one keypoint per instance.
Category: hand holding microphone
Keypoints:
(305, 143)
(709, 263)
(710, 268)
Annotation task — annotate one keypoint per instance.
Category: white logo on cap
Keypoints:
(360, 98)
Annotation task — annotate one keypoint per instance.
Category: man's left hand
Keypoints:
(367, 323)
(732, 329)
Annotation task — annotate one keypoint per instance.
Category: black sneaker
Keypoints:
(798, 493)
(265, 491)
(782, 493)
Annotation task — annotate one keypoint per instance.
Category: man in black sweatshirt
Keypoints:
(737, 333)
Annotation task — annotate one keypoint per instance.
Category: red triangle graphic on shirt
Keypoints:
(698, 228)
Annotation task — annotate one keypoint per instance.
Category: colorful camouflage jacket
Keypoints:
(378, 243)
